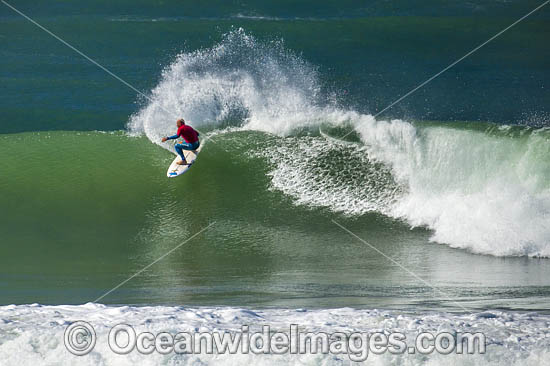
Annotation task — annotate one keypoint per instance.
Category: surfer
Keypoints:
(190, 137)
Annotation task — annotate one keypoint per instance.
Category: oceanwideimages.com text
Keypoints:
(80, 339)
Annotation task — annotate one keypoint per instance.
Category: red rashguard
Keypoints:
(188, 134)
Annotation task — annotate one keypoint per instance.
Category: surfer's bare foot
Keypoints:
(182, 162)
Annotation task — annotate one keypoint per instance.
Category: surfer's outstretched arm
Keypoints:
(170, 137)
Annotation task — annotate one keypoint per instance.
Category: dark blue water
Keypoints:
(367, 54)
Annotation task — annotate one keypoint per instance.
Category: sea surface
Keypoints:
(302, 207)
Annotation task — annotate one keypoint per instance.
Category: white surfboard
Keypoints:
(175, 170)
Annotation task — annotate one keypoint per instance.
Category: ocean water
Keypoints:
(449, 191)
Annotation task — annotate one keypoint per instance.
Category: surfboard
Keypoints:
(176, 170)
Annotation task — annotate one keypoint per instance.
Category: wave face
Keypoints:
(479, 187)
(33, 334)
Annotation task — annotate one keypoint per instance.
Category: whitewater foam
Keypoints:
(485, 191)
(33, 334)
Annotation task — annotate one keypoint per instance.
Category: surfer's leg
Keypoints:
(188, 146)
(179, 150)
(185, 146)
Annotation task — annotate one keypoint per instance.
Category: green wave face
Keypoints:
(96, 206)
(82, 211)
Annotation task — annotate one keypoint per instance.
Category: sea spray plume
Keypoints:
(240, 81)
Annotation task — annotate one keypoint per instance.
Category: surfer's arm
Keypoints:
(170, 137)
